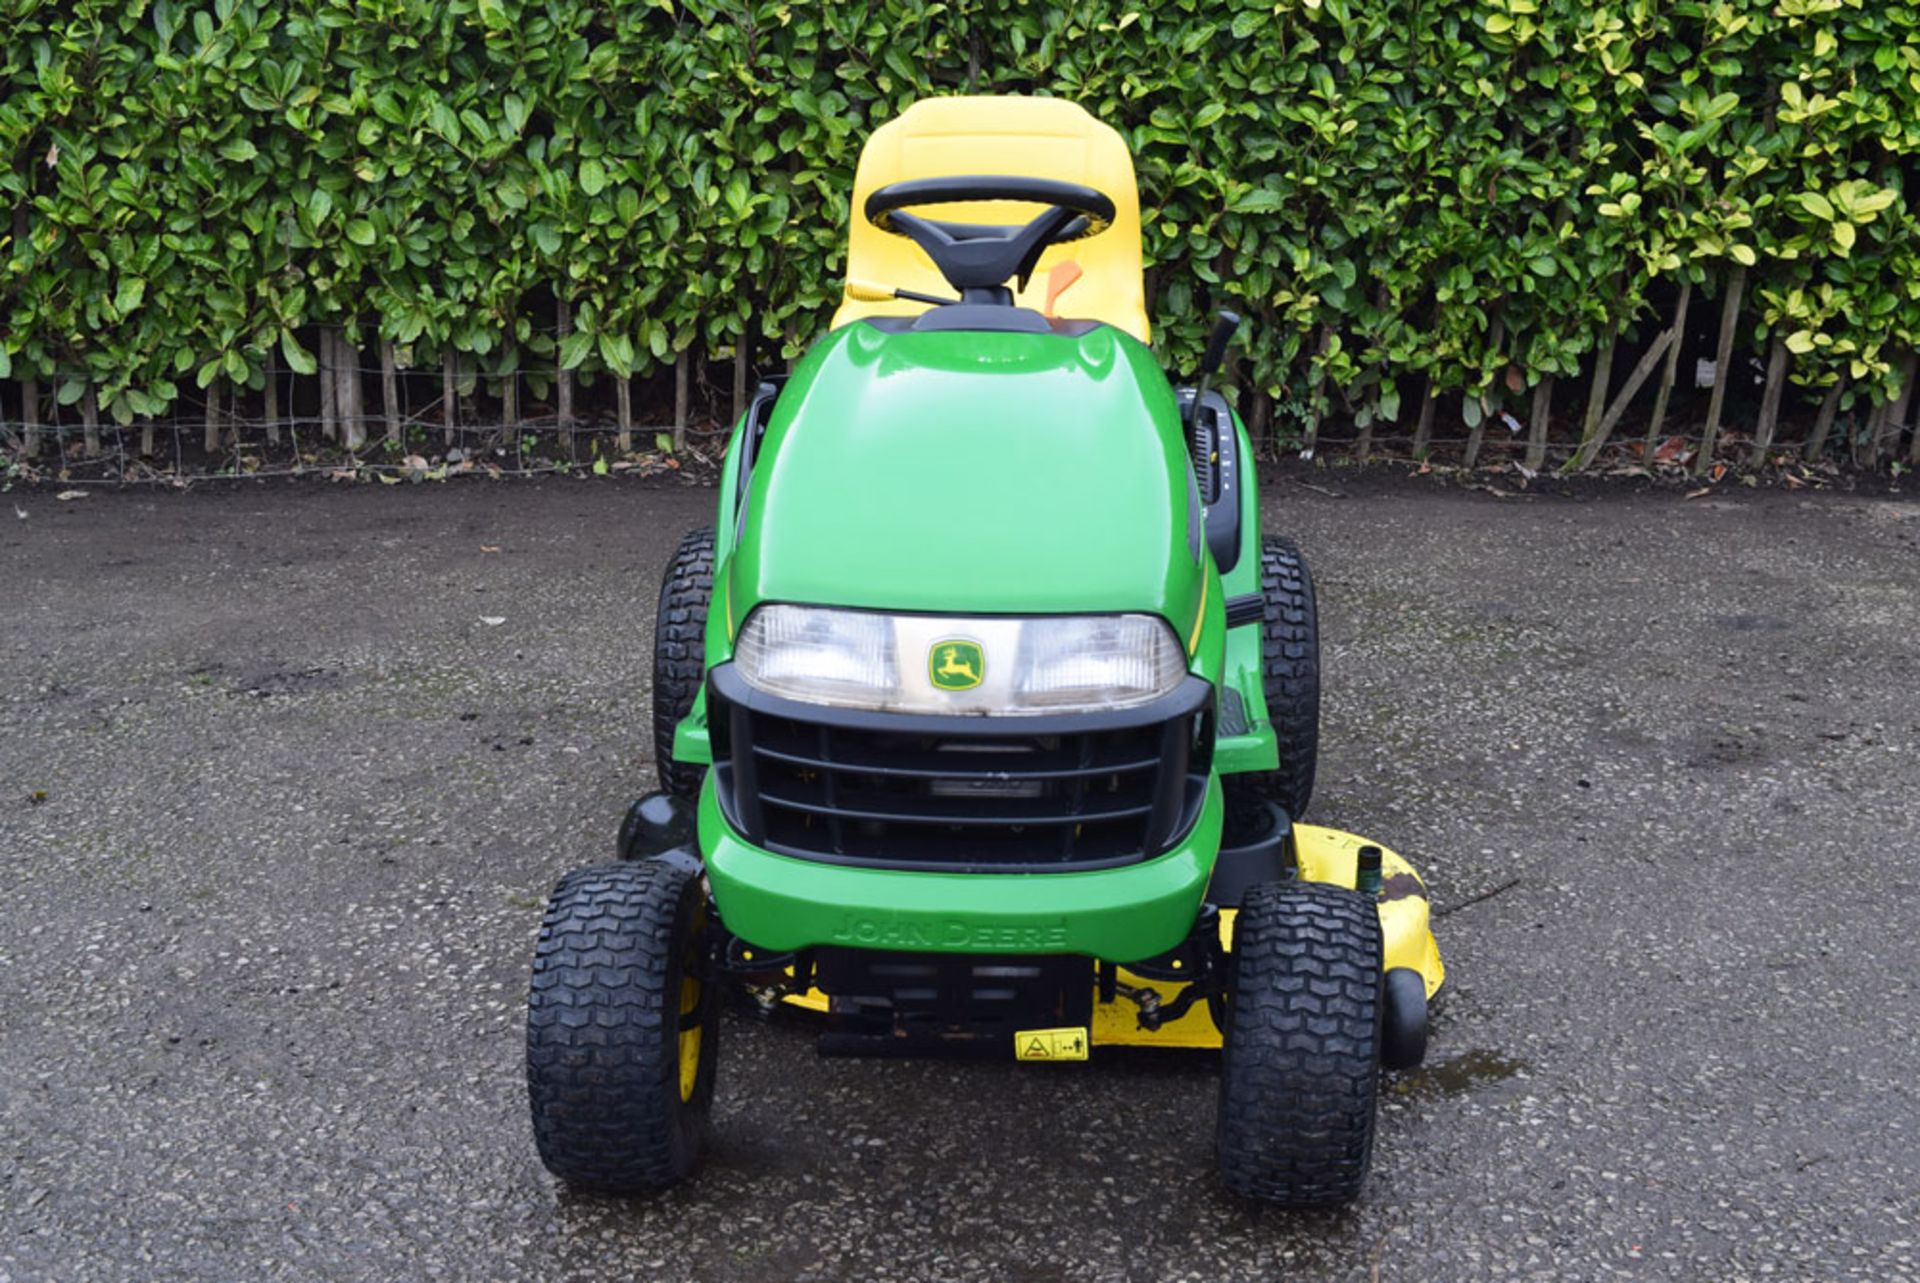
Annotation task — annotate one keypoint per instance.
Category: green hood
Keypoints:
(967, 472)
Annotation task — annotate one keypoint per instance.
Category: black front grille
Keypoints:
(959, 793)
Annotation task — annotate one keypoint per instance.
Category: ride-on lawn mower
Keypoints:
(984, 714)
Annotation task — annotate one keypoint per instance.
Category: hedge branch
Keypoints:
(1823, 423)
(1888, 440)
(1597, 392)
(1538, 421)
(1668, 372)
(623, 398)
(329, 387)
(1423, 429)
(1769, 402)
(30, 417)
(270, 399)
(563, 377)
(682, 393)
(90, 421)
(210, 432)
(448, 397)
(1496, 336)
(1665, 343)
(389, 391)
(1729, 321)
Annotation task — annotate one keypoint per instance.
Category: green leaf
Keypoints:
(299, 360)
(663, 442)
(593, 178)
(574, 349)
(361, 232)
(599, 467)
(1843, 238)
(1260, 200)
(1817, 205)
(239, 150)
(1743, 255)
(1389, 401)
(1800, 342)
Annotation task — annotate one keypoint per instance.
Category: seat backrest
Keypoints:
(1026, 137)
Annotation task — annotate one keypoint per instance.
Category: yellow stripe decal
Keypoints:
(1199, 618)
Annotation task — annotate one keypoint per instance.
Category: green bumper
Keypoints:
(780, 903)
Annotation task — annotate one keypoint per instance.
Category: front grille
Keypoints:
(959, 793)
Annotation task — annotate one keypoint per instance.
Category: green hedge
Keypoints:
(1467, 199)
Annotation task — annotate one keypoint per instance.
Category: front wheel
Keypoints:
(623, 1028)
(1300, 1063)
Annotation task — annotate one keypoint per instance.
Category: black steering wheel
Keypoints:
(978, 258)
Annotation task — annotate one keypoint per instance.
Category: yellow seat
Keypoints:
(1024, 137)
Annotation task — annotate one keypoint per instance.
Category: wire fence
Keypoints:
(394, 419)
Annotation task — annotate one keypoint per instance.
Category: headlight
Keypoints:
(965, 664)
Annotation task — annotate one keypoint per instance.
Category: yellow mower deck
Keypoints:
(1324, 855)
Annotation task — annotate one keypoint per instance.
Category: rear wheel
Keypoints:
(1300, 1064)
(679, 655)
(1290, 677)
(623, 1027)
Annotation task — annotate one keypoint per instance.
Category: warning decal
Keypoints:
(1050, 1044)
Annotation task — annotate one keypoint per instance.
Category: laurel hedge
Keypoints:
(1416, 203)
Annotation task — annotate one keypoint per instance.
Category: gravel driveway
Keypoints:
(286, 772)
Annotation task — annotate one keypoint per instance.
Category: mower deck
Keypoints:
(1324, 855)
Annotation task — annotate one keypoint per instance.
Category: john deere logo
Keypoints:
(956, 664)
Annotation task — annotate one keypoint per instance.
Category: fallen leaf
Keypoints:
(487, 547)
(1516, 381)
(1695, 494)
(65, 495)
(493, 621)
(1719, 471)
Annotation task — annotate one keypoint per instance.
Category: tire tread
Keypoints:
(1300, 1070)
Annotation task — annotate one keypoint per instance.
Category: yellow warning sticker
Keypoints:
(1050, 1044)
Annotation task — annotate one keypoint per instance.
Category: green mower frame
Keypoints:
(985, 715)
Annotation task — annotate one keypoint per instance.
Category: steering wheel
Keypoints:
(978, 258)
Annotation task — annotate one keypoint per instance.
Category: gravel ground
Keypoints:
(285, 774)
